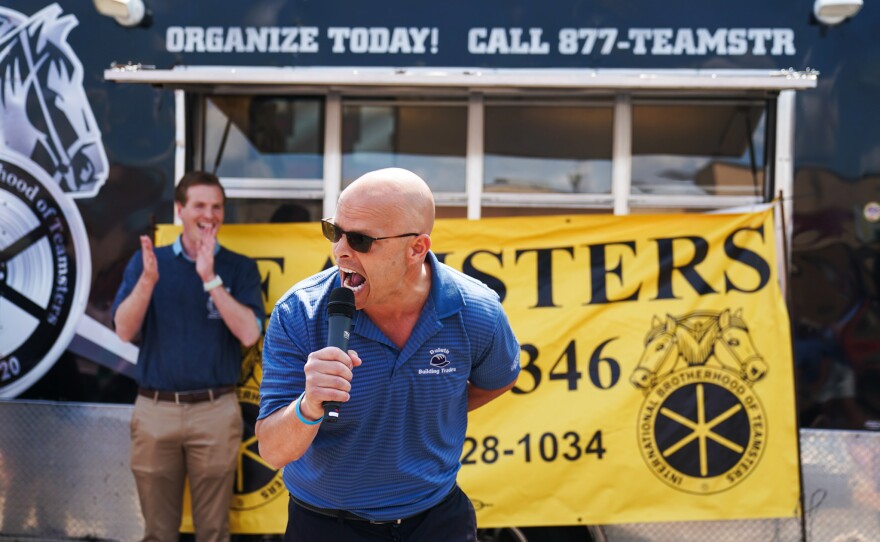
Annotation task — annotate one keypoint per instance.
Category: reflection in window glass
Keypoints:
(699, 149)
(558, 149)
(430, 140)
(268, 136)
(274, 211)
(493, 212)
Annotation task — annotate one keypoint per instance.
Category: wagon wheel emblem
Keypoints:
(687, 424)
(45, 270)
(702, 430)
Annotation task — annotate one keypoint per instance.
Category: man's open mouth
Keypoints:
(352, 280)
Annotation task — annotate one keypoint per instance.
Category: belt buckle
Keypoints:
(387, 522)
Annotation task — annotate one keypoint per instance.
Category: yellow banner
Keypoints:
(657, 380)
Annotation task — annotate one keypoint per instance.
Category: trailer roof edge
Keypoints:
(464, 78)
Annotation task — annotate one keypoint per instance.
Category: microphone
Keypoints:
(340, 310)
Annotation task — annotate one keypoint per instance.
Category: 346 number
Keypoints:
(603, 371)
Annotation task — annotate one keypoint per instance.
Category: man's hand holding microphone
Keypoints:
(328, 371)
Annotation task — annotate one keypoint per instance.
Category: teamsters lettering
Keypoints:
(54, 229)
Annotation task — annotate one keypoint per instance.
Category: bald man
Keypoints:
(427, 345)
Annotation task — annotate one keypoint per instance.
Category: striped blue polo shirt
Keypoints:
(396, 448)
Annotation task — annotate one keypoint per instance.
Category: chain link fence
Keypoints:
(64, 475)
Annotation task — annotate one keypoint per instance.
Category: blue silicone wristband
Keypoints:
(300, 415)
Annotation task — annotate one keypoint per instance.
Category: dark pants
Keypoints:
(452, 520)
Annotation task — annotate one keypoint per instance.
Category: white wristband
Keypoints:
(213, 283)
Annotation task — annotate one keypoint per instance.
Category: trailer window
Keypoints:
(548, 148)
(427, 138)
(274, 137)
(272, 210)
(712, 148)
(498, 153)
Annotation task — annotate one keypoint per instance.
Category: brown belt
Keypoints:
(195, 396)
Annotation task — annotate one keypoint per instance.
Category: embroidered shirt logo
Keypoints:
(213, 312)
(439, 362)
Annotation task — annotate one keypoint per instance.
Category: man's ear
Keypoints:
(177, 208)
(420, 246)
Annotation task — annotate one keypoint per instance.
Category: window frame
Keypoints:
(778, 87)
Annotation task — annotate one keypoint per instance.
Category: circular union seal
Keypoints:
(702, 430)
(872, 211)
(256, 483)
(45, 272)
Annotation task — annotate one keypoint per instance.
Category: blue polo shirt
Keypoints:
(185, 345)
(396, 448)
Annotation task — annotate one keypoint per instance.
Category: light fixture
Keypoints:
(832, 12)
(126, 12)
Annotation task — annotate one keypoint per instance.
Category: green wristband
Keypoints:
(300, 415)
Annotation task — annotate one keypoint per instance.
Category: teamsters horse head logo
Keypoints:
(701, 427)
(699, 338)
(45, 113)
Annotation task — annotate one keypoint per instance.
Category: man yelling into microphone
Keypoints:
(426, 344)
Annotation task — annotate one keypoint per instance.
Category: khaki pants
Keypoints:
(172, 441)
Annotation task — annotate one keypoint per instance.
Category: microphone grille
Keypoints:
(341, 302)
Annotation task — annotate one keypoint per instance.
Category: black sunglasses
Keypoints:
(357, 241)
